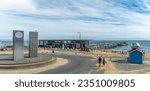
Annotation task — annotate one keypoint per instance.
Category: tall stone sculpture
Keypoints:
(33, 44)
(18, 45)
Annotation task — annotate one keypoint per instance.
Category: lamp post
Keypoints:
(80, 39)
(79, 35)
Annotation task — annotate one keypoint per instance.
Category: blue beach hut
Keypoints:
(136, 56)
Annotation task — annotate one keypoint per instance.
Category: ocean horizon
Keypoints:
(145, 44)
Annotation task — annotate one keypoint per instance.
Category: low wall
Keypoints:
(28, 63)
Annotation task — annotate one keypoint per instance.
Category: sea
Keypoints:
(10, 43)
(145, 44)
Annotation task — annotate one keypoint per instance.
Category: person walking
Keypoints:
(100, 61)
(104, 61)
(53, 51)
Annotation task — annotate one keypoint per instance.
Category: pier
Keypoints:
(109, 45)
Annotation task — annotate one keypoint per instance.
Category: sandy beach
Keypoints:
(93, 53)
(116, 61)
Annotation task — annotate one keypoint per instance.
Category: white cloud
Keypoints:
(17, 5)
(134, 25)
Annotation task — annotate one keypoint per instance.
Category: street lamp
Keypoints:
(79, 35)
(80, 38)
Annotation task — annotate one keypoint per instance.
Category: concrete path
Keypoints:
(77, 65)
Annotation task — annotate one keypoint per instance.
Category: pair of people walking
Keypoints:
(101, 61)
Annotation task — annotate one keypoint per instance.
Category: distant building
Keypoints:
(64, 44)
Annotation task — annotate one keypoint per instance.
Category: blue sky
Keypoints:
(63, 19)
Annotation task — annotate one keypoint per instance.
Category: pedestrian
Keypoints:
(52, 51)
(99, 61)
(104, 61)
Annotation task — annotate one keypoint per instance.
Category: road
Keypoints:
(77, 65)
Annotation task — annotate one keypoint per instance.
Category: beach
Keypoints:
(116, 60)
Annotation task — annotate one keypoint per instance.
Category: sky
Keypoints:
(63, 19)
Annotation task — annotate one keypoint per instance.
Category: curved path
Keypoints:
(77, 65)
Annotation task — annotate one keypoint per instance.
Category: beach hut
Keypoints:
(136, 56)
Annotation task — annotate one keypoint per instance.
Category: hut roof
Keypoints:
(134, 50)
